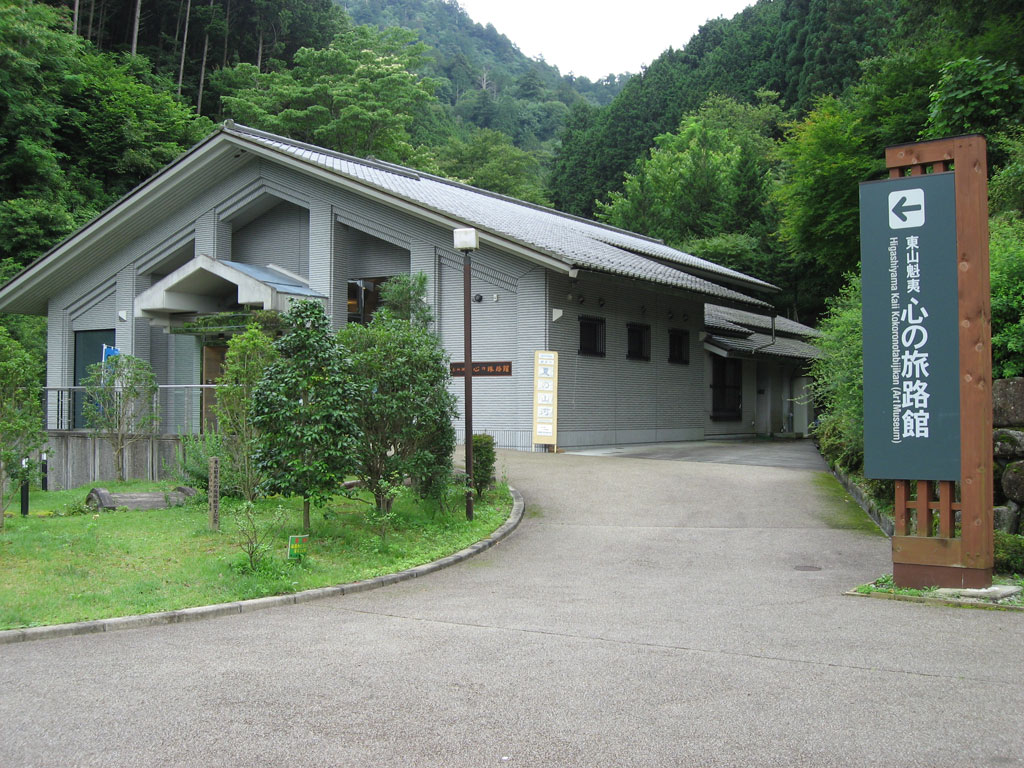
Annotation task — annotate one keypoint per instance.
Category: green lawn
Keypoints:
(58, 567)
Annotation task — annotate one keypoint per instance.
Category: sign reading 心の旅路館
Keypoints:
(911, 338)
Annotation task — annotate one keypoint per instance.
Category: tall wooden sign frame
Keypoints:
(921, 559)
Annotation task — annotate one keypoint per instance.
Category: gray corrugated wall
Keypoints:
(280, 236)
(611, 399)
(372, 257)
(498, 406)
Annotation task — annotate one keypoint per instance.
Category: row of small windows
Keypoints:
(638, 340)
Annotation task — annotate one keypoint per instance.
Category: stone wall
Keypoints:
(1008, 450)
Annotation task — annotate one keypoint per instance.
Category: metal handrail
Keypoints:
(177, 404)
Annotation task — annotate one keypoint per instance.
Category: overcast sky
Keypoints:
(597, 37)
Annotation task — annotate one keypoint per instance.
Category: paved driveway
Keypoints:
(795, 454)
(646, 613)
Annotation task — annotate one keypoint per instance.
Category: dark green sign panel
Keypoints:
(911, 340)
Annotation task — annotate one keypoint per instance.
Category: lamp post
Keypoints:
(467, 241)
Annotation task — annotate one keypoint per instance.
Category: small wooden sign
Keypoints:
(297, 546)
(502, 368)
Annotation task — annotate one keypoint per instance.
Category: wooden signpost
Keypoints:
(949, 439)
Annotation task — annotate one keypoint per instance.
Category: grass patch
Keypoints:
(842, 511)
(886, 585)
(58, 567)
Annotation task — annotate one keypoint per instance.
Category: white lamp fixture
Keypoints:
(466, 239)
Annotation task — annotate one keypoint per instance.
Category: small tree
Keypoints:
(21, 417)
(303, 410)
(248, 357)
(120, 405)
(404, 413)
(405, 296)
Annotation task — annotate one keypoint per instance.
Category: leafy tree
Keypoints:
(708, 177)
(1006, 253)
(403, 416)
(975, 96)
(304, 411)
(489, 160)
(249, 355)
(405, 297)
(21, 417)
(120, 403)
(838, 379)
(360, 95)
(28, 330)
(823, 161)
(78, 129)
(572, 182)
(1006, 187)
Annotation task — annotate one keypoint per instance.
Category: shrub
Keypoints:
(483, 462)
(1006, 248)
(1008, 553)
(254, 535)
(838, 376)
(193, 467)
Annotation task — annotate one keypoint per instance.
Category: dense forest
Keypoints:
(745, 145)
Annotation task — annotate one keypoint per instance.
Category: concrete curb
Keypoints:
(865, 503)
(947, 602)
(245, 606)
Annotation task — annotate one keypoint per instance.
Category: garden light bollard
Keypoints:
(24, 491)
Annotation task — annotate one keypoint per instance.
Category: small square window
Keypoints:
(678, 346)
(592, 336)
(638, 341)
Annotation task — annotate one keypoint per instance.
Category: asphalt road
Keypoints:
(645, 613)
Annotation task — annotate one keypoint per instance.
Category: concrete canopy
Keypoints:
(207, 285)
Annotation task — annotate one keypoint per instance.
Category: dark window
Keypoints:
(591, 335)
(363, 299)
(726, 389)
(638, 341)
(678, 346)
(88, 351)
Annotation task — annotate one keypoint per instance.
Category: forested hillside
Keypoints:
(745, 145)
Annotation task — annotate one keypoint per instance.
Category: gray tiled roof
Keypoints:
(751, 320)
(720, 325)
(576, 242)
(737, 331)
(273, 278)
(761, 344)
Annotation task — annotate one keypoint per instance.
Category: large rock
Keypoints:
(1006, 517)
(1008, 444)
(1013, 481)
(1008, 402)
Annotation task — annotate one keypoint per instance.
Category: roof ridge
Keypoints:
(230, 126)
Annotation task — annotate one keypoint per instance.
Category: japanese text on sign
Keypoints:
(911, 341)
(545, 397)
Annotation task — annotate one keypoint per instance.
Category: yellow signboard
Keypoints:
(545, 397)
